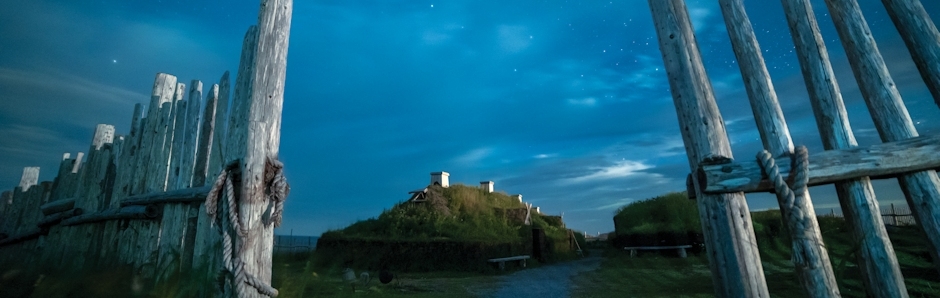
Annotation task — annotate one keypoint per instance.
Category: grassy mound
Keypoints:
(667, 220)
(455, 229)
(671, 213)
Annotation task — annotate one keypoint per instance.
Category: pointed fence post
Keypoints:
(255, 138)
(726, 221)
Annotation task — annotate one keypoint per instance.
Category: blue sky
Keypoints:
(564, 102)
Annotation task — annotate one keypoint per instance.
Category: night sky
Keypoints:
(564, 102)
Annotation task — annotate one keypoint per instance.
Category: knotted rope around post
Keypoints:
(277, 190)
(788, 194)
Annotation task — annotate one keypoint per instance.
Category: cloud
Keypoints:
(620, 169)
(473, 157)
(586, 102)
(513, 39)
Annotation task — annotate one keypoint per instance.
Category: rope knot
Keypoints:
(277, 190)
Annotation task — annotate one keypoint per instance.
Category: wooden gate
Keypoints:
(137, 199)
(719, 182)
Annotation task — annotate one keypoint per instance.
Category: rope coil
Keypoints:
(277, 190)
(788, 194)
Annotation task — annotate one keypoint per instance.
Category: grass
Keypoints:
(651, 275)
(300, 277)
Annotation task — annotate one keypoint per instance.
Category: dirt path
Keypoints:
(547, 281)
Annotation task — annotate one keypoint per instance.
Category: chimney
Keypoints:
(517, 197)
(442, 178)
(487, 186)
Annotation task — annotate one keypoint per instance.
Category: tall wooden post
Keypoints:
(810, 257)
(255, 138)
(876, 257)
(726, 221)
(922, 39)
(192, 134)
(220, 127)
(922, 189)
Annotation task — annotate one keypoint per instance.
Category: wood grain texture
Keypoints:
(220, 130)
(810, 257)
(206, 138)
(733, 256)
(921, 37)
(922, 189)
(256, 137)
(885, 160)
(877, 260)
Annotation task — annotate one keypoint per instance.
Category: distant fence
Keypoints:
(892, 215)
(294, 244)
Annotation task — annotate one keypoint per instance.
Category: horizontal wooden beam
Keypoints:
(59, 217)
(57, 206)
(189, 195)
(30, 234)
(128, 212)
(884, 160)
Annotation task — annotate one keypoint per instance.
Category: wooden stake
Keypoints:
(922, 189)
(256, 138)
(726, 222)
(921, 37)
(811, 259)
(882, 276)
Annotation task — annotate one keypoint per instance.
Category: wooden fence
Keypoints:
(719, 182)
(891, 215)
(137, 198)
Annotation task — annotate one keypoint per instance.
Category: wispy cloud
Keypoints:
(585, 102)
(620, 169)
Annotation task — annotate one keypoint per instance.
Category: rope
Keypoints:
(788, 194)
(277, 190)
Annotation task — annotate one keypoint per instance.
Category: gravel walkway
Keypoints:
(547, 281)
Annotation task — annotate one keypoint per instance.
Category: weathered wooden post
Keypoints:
(810, 257)
(726, 221)
(922, 189)
(921, 36)
(254, 141)
(192, 134)
(220, 126)
(882, 275)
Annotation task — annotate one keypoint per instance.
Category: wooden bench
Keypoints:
(679, 248)
(502, 261)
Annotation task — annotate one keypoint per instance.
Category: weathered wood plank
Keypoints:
(127, 212)
(922, 189)
(220, 126)
(733, 256)
(206, 138)
(810, 257)
(188, 195)
(255, 138)
(885, 160)
(56, 218)
(876, 258)
(179, 144)
(192, 135)
(921, 37)
(57, 206)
